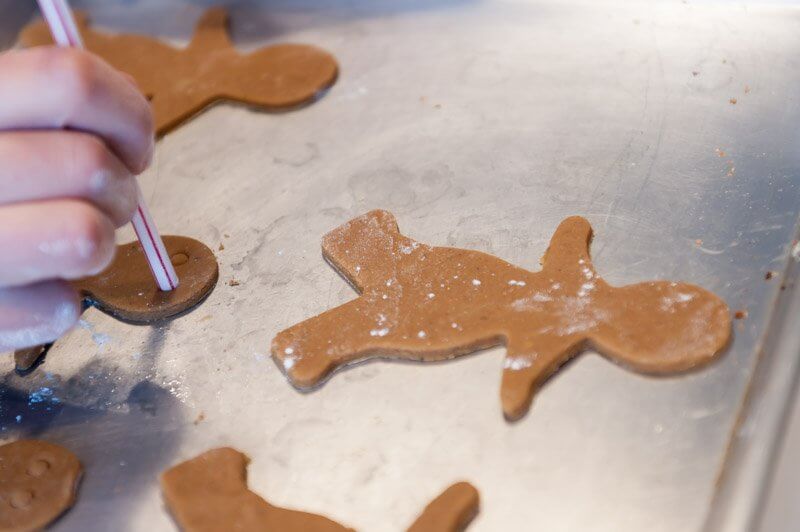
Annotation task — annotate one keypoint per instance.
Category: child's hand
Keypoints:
(73, 133)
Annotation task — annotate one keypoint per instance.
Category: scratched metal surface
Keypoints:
(480, 124)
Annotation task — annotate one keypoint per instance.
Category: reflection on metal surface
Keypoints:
(482, 123)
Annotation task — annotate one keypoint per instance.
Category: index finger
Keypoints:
(47, 88)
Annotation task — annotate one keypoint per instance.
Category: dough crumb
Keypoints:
(233, 282)
(200, 418)
(733, 101)
(740, 314)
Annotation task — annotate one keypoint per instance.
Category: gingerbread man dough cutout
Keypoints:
(427, 303)
(127, 291)
(209, 493)
(181, 82)
(38, 483)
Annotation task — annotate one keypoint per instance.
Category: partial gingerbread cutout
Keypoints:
(181, 82)
(127, 291)
(452, 511)
(427, 303)
(25, 359)
(38, 482)
(209, 493)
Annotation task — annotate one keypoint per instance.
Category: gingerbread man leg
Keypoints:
(528, 365)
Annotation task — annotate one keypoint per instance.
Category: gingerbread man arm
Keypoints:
(452, 511)
(568, 252)
(211, 31)
(527, 367)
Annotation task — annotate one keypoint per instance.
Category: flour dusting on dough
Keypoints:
(586, 288)
(288, 362)
(668, 304)
(518, 363)
(407, 250)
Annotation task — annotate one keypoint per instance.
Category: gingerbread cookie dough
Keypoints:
(25, 359)
(38, 482)
(209, 494)
(127, 291)
(181, 82)
(452, 511)
(427, 303)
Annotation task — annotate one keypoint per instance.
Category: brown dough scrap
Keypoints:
(25, 359)
(429, 303)
(452, 511)
(38, 482)
(127, 291)
(181, 82)
(209, 494)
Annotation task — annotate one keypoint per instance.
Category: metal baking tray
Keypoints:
(480, 124)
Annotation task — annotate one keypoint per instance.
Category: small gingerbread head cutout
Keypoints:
(127, 291)
(38, 482)
(425, 303)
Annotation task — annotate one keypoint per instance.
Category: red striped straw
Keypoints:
(65, 33)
